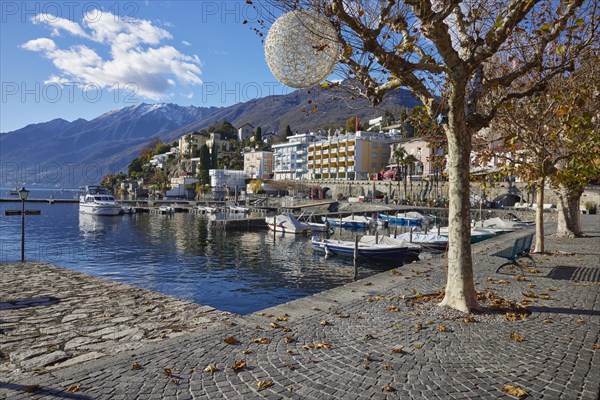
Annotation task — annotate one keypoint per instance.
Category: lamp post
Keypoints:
(23, 193)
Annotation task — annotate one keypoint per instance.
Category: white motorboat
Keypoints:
(500, 225)
(430, 241)
(369, 246)
(164, 209)
(97, 200)
(128, 210)
(238, 209)
(288, 223)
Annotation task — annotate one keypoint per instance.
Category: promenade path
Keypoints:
(373, 339)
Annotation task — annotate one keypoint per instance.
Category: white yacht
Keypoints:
(97, 200)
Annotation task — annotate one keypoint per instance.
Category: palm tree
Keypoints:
(403, 159)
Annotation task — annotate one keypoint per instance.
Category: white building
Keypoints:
(178, 186)
(290, 160)
(258, 164)
(245, 131)
(191, 139)
(227, 179)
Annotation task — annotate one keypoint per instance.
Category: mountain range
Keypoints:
(70, 154)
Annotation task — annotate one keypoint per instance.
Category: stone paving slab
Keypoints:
(52, 317)
(366, 341)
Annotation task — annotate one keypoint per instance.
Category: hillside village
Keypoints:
(221, 160)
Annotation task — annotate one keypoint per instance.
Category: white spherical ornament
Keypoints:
(301, 48)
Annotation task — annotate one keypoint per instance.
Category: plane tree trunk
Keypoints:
(568, 211)
(460, 286)
(539, 216)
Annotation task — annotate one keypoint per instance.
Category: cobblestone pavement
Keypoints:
(366, 340)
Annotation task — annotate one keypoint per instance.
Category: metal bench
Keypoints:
(520, 249)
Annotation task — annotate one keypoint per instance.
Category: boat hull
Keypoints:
(347, 249)
(93, 209)
(402, 221)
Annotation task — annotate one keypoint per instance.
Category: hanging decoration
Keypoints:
(301, 48)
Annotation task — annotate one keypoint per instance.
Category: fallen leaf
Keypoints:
(547, 321)
(289, 366)
(74, 388)
(135, 366)
(168, 372)
(274, 325)
(442, 328)
(596, 346)
(211, 368)
(514, 336)
(323, 345)
(175, 381)
(469, 319)
(418, 326)
(514, 391)
(264, 384)
(580, 321)
(282, 318)
(366, 366)
(369, 336)
(387, 367)
(261, 340)
(532, 271)
(288, 340)
(239, 365)
(388, 388)
(397, 350)
(324, 322)
(247, 351)
(418, 346)
(392, 308)
(230, 340)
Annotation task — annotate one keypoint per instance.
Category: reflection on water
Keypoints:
(180, 255)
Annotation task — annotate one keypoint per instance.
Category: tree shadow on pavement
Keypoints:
(579, 274)
(564, 310)
(41, 391)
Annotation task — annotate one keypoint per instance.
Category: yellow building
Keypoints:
(352, 156)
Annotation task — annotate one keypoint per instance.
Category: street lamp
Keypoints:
(23, 193)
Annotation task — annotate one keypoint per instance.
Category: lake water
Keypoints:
(177, 255)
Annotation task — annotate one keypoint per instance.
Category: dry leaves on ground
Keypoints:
(388, 388)
(210, 368)
(261, 340)
(230, 340)
(514, 391)
(239, 365)
(514, 336)
(323, 345)
(74, 388)
(264, 384)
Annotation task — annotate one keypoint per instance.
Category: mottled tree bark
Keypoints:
(460, 287)
(539, 216)
(568, 211)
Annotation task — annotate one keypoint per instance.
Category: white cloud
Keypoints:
(136, 54)
(185, 42)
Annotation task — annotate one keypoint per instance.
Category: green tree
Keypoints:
(214, 156)
(204, 165)
(258, 135)
(445, 53)
(288, 131)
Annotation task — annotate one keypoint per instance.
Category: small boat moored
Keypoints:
(288, 223)
(369, 246)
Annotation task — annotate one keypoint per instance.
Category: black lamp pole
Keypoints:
(23, 195)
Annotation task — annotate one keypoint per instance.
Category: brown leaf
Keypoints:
(392, 308)
(135, 366)
(369, 336)
(247, 351)
(168, 372)
(230, 340)
(264, 384)
(288, 340)
(261, 340)
(514, 336)
(387, 367)
(324, 322)
(532, 271)
(514, 391)
(418, 346)
(418, 326)
(388, 388)
(74, 388)
(323, 345)
(239, 365)
(596, 346)
(469, 319)
(210, 368)
(397, 350)
(282, 318)
(442, 328)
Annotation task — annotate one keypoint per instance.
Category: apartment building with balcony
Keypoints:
(350, 156)
(258, 164)
(419, 148)
(290, 158)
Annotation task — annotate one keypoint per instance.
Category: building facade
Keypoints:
(350, 156)
(186, 142)
(258, 164)
(245, 131)
(421, 150)
(227, 180)
(290, 158)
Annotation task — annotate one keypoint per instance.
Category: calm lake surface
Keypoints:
(179, 255)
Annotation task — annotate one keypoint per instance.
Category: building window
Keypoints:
(374, 155)
(375, 145)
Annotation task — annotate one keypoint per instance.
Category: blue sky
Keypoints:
(80, 59)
